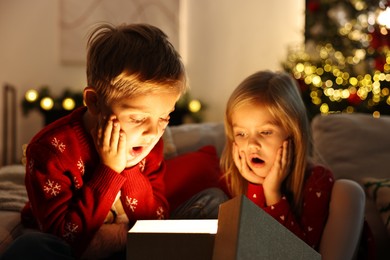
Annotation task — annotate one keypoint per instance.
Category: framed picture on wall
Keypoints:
(78, 18)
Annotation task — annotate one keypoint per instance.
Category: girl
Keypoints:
(267, 153)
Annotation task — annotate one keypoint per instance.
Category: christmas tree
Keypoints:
(344, 65)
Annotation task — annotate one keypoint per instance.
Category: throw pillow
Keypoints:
(169, 145)
(379, 191)
(190, 173)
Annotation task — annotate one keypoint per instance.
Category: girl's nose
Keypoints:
(252, 141)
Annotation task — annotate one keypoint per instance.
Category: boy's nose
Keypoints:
(151, 129)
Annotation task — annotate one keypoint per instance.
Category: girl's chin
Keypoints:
(255, 179)
(258, 180)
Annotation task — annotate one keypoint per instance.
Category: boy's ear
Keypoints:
(91, 100)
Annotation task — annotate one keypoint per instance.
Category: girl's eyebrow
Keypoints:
(268, 123)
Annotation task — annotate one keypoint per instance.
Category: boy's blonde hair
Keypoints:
(279, 93)
(131, 60)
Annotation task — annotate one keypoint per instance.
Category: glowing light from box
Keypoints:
(31, 95)
(47, 103)
(203, 226)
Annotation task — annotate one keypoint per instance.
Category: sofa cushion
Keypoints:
(378, 190)
(169, 145)
(13, 196)
(353, 145)
(191, 137)
(190, 173)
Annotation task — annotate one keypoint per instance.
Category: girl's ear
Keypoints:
(91, 100)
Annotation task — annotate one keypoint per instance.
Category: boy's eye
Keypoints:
(165, 120)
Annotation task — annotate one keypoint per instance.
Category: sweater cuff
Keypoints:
(137, 179)
(281, 208)
(106, 180)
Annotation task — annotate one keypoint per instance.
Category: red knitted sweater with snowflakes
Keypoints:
(70, 192)
(316, 198)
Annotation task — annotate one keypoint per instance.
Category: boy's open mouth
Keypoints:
(136, 150)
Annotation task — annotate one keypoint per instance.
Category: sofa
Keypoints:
(354, 146)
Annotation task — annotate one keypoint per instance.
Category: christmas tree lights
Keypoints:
(344, 65)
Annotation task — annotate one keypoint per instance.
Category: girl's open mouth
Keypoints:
(257, 161)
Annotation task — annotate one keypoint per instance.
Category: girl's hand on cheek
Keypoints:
(240, 162)
(110, 143)
(278, 173)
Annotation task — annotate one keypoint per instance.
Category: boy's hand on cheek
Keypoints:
(110, 142)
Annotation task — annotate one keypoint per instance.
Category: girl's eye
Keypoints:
(266, 132)
(137, 120)
(239, 134)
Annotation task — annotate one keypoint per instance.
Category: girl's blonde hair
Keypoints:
(131, 60)
(279, 93)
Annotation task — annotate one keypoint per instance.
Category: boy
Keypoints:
(92, 174)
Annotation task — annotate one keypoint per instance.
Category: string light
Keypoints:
(68, 104)
(44, 102)
(31, 95)
(47, 103)
(194, 106)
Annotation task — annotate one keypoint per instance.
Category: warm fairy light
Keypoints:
(47, 103)
(31, 95)
(68, 104)
(353, 81)
(384, 18)
(345, 93)
(299, 67)
(324, 108)
(194, 106)
(316, 81)
(352, 75)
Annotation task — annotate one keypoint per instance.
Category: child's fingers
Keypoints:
(114, 139)
(289, 154)
(285, 153)
(285, 159)
(234, 153)
(107, 133)
(240, 160)
(278, 164)
(97, 136)
(122, 142)
(236, 157)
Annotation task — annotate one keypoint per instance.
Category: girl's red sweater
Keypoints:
(316, 198)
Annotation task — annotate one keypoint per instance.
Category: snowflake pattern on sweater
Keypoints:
(52, 188)
(316, 197)
(70, 193)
